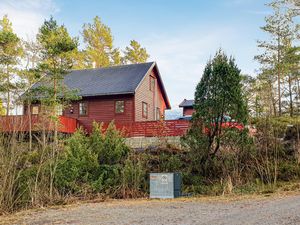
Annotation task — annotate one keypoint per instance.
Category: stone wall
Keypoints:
(149, 142)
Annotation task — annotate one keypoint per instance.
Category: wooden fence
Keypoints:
(153, 128)
(38, 123)
(69, 125)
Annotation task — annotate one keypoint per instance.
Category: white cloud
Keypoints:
(27, 15)
(181, 58)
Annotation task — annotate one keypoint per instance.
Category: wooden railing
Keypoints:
(67, 124)
(38, 123)
(153, 128)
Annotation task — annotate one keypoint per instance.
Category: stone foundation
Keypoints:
(148, 142)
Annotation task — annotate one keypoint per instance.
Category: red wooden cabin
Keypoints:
(126, 94)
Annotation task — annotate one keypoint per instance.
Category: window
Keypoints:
(152, 83)
(157, 114)
(145, 110)
(71, 109)
(59, 110)
(83, 108)
(35, 110)
(119, 107)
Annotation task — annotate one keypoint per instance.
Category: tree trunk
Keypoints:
(291, 95)
(8, 92)
(278, 75)
(29, 123)
(298, 95)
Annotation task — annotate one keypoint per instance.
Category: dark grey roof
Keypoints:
(106, 81)
(187, 103)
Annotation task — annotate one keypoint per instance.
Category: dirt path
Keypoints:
(272, 210)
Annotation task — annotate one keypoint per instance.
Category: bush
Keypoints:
(76, 166)
(93, 164)
(133, 177)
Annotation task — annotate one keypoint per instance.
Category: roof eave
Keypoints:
(166, 98)
(107, 94)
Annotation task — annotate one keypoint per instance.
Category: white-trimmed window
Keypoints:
(59, 110)
(157, 113)
(152, 83)
(83, 108)
(119, 107)
(144, 110)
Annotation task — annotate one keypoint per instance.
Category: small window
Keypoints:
(119, 108)
(83, 109)
(157, 114)
(35, 110)
(145, 110)
(152, 83)
(59, 110)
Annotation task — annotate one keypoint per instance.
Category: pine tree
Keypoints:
(116, 57)
(283, 31)
(99, 41)
(10, 54)
(135, 53)
(291, 63)
(56, 50)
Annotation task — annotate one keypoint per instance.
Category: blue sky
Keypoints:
(179, 35)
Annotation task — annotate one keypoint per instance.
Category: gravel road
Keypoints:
(272, 210)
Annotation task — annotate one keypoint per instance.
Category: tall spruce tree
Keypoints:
(219, 95)
(10, 54)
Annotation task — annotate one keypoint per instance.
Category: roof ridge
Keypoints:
(113, 66)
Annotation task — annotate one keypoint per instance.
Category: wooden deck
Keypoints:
(69, 125)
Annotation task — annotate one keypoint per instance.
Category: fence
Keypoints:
(69, 125)
(153, 128)
(22, 124)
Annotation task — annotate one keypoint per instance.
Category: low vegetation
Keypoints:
(101, 166)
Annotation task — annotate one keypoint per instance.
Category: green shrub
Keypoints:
(133, 177)
(77, 165)
(288, 171)
(92, 163)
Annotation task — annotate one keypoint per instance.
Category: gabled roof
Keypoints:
(114, 80)
(187, 103)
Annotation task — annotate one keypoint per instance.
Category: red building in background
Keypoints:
(188, 107)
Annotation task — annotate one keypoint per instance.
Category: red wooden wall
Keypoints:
(188, 111)
(102, 109)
